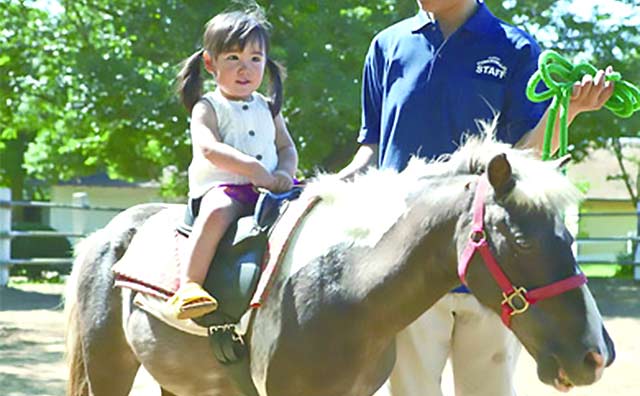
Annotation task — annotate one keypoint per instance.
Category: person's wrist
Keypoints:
(281, 172)
(572, 113)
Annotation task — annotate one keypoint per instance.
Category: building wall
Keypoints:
(86, 221)
(605, 226)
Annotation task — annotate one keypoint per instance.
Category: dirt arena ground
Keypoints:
(31, 344)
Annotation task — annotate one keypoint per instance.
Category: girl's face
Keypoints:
(239, 72)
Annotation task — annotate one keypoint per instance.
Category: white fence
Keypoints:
(78, 211)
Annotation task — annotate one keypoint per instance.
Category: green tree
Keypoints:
(28, 83)
(90, 88)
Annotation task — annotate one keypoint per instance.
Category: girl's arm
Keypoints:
(205, 137)
(287, 154)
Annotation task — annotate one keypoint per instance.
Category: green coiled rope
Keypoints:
(624, 101)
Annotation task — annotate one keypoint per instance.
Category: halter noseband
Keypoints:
(516, 300)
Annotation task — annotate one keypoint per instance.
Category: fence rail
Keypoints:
(80, 205)
(41, 261)
(5, 203)
(39, 233)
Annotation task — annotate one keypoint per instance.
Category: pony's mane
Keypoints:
(539, 184)
(373, 201)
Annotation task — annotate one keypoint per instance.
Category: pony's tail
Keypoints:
(77, 384)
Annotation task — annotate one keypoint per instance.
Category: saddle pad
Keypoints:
(155, 271)
(151, 262)
(156, 308)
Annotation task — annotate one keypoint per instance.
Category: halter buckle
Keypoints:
(520, 305)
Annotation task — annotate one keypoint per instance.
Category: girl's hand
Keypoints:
(262, 178)
(283, 182)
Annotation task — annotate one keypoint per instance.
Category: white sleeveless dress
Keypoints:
(245, 125)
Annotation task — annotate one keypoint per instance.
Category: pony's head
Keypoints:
(516, 257)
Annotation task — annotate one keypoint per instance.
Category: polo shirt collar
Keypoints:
(479, 22)
(421, 20)
(482, 21)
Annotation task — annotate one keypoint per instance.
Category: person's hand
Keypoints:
(283, 182)
(592, 92)
(262, 178)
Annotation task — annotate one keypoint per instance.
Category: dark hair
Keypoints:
(224, 33)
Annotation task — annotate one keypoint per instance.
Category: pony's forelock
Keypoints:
(539, 184)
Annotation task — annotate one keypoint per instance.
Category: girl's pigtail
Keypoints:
(277, 74)
(189, 80)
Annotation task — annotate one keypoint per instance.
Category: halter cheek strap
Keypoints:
(515, 300)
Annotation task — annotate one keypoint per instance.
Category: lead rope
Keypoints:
(624, 101)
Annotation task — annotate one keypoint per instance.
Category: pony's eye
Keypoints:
(522, 241)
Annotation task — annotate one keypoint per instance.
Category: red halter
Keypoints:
(523, 298)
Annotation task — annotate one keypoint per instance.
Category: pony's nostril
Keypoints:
(595, 362)
(594, 359)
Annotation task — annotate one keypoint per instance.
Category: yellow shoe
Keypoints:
(191, 301)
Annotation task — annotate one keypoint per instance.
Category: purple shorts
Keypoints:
(244, 193)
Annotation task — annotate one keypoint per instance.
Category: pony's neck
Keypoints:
(414, 264)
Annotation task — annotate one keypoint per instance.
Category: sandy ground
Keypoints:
(31, 346)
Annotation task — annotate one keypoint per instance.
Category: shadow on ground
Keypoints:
(30, 360)
(14, 299)
(616, 297)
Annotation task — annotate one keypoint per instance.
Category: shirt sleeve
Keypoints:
(371, 96)
(521, 114)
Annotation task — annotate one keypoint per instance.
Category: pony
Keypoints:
(372, 255)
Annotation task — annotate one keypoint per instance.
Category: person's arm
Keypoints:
(365, 157)
(287, 156)
(205, 137)
(367, 154)
(589, 94)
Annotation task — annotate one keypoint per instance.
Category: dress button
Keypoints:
(245, 107)
(258, 157)
(252, 133)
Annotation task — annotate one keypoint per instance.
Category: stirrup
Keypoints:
(191, 301)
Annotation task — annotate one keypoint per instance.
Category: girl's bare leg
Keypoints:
(217, 212)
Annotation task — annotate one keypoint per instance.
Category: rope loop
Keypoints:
(559, 75)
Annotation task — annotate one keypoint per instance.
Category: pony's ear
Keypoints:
(500, 175)
(562, 161)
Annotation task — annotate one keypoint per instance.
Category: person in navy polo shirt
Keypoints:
(427, 80)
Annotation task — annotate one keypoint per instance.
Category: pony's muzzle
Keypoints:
(587, 371)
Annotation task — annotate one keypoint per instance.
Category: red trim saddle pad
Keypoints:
(151, 264)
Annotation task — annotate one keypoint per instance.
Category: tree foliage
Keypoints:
(90, 87)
